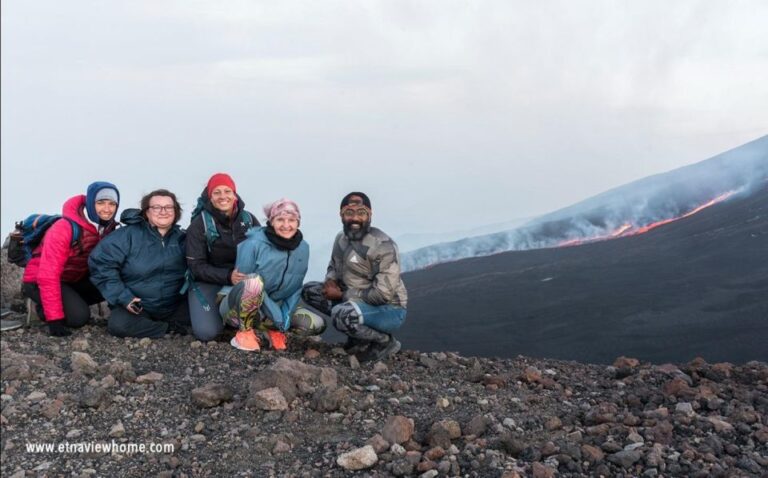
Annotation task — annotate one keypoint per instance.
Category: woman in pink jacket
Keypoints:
(56, 278)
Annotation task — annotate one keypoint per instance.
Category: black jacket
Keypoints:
(216, 266)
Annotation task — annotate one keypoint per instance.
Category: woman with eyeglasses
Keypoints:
(219, 223)
(140, 270)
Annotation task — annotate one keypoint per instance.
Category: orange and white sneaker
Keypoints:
(246, 340)
(277, 339)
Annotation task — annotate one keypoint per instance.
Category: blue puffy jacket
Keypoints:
(282, 272)
(139, 262)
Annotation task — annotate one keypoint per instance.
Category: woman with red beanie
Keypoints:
(57, 277)
(219, 223)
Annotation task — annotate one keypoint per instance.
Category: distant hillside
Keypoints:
(641, 202)
(697, 286)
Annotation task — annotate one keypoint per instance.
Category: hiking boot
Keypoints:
(246, 340)
(355, 346)
(380, 350)
(277, 339)
(9, 324)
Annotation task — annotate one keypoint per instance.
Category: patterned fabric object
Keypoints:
(240, 308)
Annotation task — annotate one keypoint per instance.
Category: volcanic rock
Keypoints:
(442, 432)
(211, 395)
(93, 397)
(398, 429)
(150, 377)
(83, 363)
(358, 459)
(269, 399)
(625, 458)
(330, 399)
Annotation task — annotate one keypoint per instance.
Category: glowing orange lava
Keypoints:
(628, 229)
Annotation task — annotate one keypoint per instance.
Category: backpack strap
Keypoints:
(76, 232)
(189, 283)
(211, 233)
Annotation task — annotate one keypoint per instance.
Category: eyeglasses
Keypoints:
(157, 209)
(350, 213)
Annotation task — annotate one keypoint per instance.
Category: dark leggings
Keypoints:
(76, 297)
(125, 324)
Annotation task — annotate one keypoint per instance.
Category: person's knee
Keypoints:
(78, 319)
(346, 316)
(206, 332)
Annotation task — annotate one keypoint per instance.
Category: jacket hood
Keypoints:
(90, 200)
(132, 216)
(74, 209)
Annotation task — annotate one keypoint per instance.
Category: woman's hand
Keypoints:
(236, 277)
(134, 306)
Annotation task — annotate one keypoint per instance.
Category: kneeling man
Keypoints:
(363, 292)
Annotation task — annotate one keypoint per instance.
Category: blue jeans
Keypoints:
(377, 321)
(384, 318)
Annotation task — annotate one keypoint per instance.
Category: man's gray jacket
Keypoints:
(368, 270)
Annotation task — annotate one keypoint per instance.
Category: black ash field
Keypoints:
(695, 287)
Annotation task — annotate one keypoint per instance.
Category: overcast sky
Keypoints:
(449, 114)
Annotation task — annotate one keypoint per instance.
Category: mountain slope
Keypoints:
(697, 286)
(645, 201)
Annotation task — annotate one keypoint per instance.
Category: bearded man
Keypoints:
(363, 293)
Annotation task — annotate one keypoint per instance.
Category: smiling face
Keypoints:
(223, 199)
(285, 225)
(161, 212)
(105, 209)
(356, 218)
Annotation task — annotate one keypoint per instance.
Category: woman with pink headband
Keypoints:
(275, 260)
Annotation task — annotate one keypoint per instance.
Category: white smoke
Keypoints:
(640, 203)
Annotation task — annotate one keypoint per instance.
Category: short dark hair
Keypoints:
(161, 192)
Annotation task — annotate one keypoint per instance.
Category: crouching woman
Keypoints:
(140, 269)
(56, 278)
(275, 259)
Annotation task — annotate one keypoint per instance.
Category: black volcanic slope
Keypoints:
(695, 287)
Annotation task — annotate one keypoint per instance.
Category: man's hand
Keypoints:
(237, 277)
(331, 290)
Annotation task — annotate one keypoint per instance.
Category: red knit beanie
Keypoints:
(220, 179)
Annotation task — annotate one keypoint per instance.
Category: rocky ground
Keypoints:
(314, 411)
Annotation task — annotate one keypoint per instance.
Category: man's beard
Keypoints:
(356, 234)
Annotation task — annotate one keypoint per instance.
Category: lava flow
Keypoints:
(629, 229)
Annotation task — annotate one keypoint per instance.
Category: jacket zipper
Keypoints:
(287, 259)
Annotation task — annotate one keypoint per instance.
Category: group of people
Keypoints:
(225, 270)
